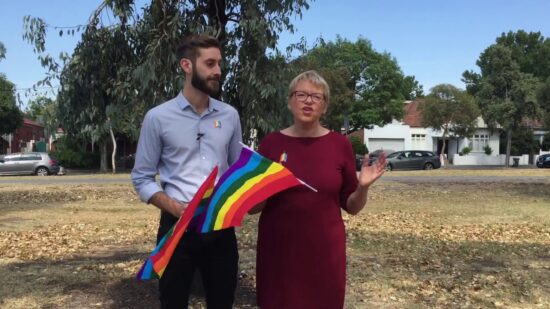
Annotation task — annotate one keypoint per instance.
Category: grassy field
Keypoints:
(419, 245)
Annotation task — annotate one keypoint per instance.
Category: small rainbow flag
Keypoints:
(283, 157)
(158, 260)
(249, 181)
(217, 124)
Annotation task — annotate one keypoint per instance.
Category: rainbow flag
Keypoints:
(158, 260)
(249, 181)
(246, 183)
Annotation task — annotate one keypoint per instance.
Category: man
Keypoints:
(183, 139)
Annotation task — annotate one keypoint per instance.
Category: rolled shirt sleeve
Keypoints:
(147, 159)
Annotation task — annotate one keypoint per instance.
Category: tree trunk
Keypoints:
(508, 147)
(114, 149)
(443, 158)
(103, 157)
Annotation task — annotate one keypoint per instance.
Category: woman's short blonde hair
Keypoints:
(314, 78)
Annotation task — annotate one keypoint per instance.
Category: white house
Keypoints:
(411, 135)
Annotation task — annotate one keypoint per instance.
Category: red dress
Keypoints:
(301, 257)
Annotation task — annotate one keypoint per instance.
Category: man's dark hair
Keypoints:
(189, 47)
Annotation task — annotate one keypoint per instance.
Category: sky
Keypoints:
(433, 40)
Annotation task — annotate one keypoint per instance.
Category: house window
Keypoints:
(479, 141)
(418, 141)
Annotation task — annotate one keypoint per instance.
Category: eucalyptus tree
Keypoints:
(248, 31)
(255, 72)
(85, 78)
(88, 104)
(449, 110)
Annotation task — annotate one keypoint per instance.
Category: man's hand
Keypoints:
(166, 203)
(178, 209)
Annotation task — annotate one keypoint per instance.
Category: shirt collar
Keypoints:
(213, 104)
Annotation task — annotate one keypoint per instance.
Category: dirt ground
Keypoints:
(416, 245)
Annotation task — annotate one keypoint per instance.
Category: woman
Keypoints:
(301, 258)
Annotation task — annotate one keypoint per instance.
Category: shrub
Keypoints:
(466, 150)
(523, 142)
(488, 150)
(75, 158)
(72, 155)
(358, 147)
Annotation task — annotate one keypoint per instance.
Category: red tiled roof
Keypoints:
(32, 123)
(413, 117)
(533, 123)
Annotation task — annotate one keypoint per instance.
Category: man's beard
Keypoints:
(203, 85)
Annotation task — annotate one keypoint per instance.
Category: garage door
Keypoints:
(386, 143)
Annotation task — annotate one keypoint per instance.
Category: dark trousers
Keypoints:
(216, 257)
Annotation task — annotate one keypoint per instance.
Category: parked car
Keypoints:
(413, 159)
(373, 156)
(30, 163)
(543, 160)
(126, 162)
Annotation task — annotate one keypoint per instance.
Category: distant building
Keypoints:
(24, 138)
(410, 134)
(52, 140)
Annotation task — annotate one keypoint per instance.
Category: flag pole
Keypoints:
(305, 184)
(301, 181)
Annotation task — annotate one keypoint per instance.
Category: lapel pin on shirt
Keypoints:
(283, 157)
(217, 124)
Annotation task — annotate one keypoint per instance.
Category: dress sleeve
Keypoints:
(349, 174)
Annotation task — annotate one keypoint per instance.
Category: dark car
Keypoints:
(413, 159)
(373, 156)
(29, 163)
(543, 160)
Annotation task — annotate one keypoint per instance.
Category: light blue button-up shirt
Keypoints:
(184, 147)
